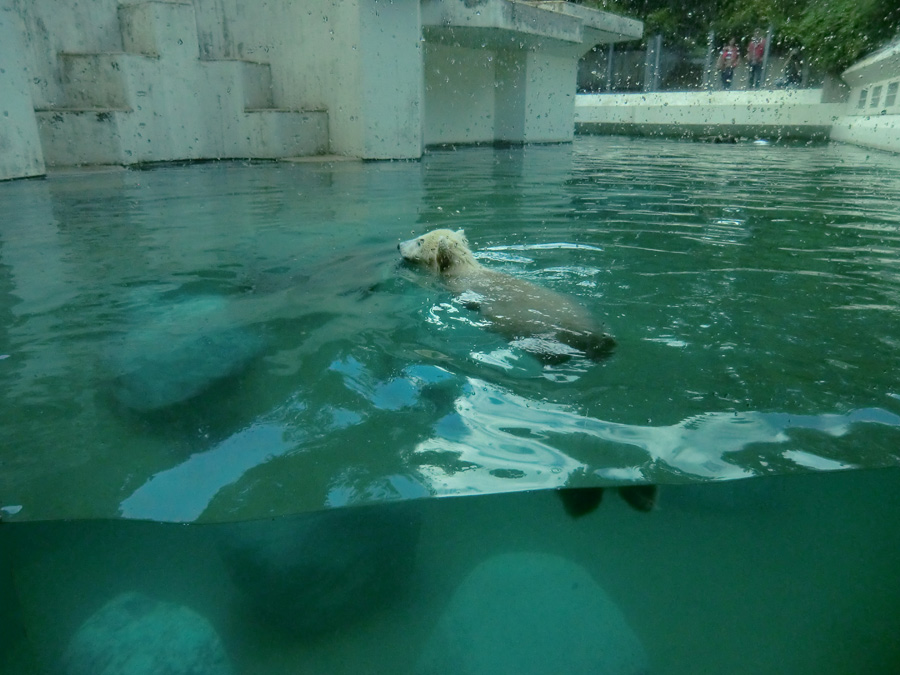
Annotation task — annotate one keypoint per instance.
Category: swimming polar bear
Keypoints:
(538, 319)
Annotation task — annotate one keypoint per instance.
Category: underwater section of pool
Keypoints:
(230, 341)
(781, 575)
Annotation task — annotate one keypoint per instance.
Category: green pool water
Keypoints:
(237, 347)
(228, 341)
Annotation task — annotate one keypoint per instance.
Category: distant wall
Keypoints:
(798, 113)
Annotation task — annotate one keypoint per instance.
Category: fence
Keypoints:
(656, 66)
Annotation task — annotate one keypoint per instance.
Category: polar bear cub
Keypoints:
(538, 319)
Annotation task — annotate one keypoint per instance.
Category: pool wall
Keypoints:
(128, 82)
(798, 113)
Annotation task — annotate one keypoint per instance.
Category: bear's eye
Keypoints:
(420, 241)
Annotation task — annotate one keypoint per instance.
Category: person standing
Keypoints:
(793, 70)
(728, 61)
(756, 52)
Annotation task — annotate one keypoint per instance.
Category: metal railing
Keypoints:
(656, 66)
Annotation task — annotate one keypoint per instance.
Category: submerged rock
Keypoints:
(532, 613)
(312, 573)
(178, 353)
(136, 635)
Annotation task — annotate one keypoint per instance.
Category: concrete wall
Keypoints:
(871, 117)
(131, 81)
(128, 81)
(506, 71)
(20, 145)
(361, 60)
(798, 113)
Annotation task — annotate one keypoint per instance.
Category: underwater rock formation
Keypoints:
(136, 635)
(312, 573)
(530, 614)
(176, 354)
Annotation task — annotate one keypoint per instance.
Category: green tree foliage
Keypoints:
(838, 32)
(832, 33)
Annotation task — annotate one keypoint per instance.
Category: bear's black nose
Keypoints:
(398, 246)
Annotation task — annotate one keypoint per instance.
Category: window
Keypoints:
(862, 99)
(891, 97)
(876, 97)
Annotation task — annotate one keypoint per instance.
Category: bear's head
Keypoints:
(441, 251)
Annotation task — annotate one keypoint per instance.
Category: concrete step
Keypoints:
(158, 101)
(249, 83)
(97, 80)
(70, 137)
(74, 137)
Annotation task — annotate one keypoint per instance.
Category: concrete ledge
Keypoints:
(73, 137)
(785, 114)
(514, 24)
(319, 159)
(496, 24)
(602, 26)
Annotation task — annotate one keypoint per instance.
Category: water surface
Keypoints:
(228, 341)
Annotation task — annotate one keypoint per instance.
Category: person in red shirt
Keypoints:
(756, 52)
(728, 61)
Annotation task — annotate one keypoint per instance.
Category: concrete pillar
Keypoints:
(390, 62)
(550, 97)
(510, 93)
(20, 144)
(534, 48)
(459, 94)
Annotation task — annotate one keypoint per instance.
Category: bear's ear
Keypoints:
(461, 233)
(445, 256)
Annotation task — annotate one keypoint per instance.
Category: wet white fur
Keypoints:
(516, 308)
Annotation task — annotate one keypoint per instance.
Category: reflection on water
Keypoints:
(227, 341)
(495, 441)
(496, 433)
(787, 574)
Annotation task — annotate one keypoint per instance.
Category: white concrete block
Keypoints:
(20, 147)
(95, 81)
(256, 80)
(72, 138)
(164, 29)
